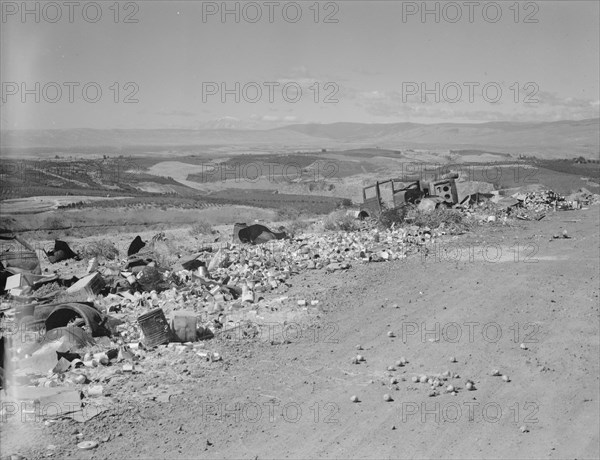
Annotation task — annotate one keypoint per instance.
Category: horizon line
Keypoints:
(308, 123)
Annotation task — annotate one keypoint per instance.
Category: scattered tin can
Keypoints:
(87, 445)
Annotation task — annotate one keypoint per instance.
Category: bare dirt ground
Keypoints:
(294, 396)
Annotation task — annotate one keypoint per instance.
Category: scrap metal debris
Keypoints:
(61, 252)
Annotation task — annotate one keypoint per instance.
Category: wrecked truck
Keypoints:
(441, 191)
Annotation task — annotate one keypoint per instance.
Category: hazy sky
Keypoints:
(380, 62)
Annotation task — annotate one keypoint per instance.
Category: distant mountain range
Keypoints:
(545, 139)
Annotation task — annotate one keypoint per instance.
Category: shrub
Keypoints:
(451, 219)
(100, 248)
(340, 220)
(287, 214)
(320, 186)
(296, 226)
(388, 217)
(201, 228)
(54, 223)
(165, 252)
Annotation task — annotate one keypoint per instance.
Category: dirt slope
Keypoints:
(547, 299)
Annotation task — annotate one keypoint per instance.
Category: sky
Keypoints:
(259, 65)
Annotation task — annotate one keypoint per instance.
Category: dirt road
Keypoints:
(527, 306)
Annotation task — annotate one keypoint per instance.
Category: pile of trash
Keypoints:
(548, 199)
(583, 197)
(531, 205)
(540, 201)
(121, 310)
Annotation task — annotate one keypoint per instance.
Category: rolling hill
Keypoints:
(545, 139)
